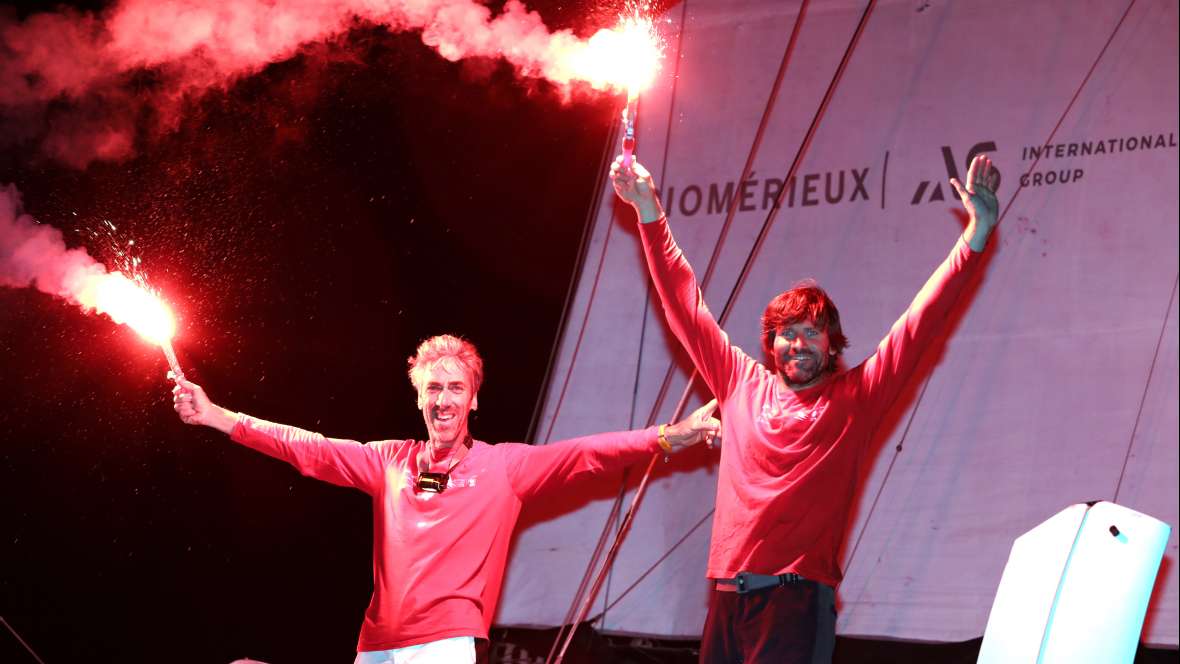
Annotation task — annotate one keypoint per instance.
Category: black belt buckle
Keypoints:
(744, 584)
(740, 579)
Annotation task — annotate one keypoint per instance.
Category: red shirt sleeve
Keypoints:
(533, 469)
(718, 362)
(341, 462)
(923, 322)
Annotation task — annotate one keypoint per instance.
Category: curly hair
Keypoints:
(441, 347)
(805, 301)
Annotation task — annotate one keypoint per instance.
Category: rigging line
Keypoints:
(617, 513)
(654, 565)
(610, 556)
(929, 376)
(715, 257)
(602, 538)
(774, 209)
(663, 171)
(537, 413)
(773, 213)
(793, 170)
(639, 355)
(756, 144)
(573, 361)
(1147, 384)
(888, 470)
(586, 240)
(614, 515)
(22, 641)
(624, 528)
(614, 511)
(766, 114)
(1069, 106)
(828, 94)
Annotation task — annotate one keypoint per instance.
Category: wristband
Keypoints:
(663, 440)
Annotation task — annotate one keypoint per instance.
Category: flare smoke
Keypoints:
(64, 76)
(33, 254)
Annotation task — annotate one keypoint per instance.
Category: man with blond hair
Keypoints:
(444, 507)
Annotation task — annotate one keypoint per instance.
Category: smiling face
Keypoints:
(802, 336)
(446, 396)
(803, 353)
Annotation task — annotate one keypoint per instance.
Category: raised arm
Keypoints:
(684, 307)
(534, 469)
(341, 462)
(925, 319)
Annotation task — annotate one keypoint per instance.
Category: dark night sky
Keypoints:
(309, 225)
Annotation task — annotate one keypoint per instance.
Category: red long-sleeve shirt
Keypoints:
(789, 462)
(438, 558)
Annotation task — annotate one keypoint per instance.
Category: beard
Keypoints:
(803, 369)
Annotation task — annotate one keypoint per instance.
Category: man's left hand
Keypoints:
(979, 200)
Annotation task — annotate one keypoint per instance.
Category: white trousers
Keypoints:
(455, 650)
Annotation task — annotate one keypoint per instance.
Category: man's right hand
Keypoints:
(635, 186)
(699, 427)
(194, 407)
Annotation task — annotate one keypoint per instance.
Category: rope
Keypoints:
(1146, 385)
(926, 381)
(614, 511)
(829, 93)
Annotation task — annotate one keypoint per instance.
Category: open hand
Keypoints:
(979, 196)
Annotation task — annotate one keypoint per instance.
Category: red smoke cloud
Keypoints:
(33, 254)
(67, 78)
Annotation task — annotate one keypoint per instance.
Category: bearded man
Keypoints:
(796, 430)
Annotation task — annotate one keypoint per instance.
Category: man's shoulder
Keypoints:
(498, 448)
(841, 378)
(506, 453)
(395, 447)
(846, 383)
(755, 375)
(394, 442)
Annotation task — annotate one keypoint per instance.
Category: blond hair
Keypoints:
(443, 346)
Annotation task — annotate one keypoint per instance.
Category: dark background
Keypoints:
(309, 226)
